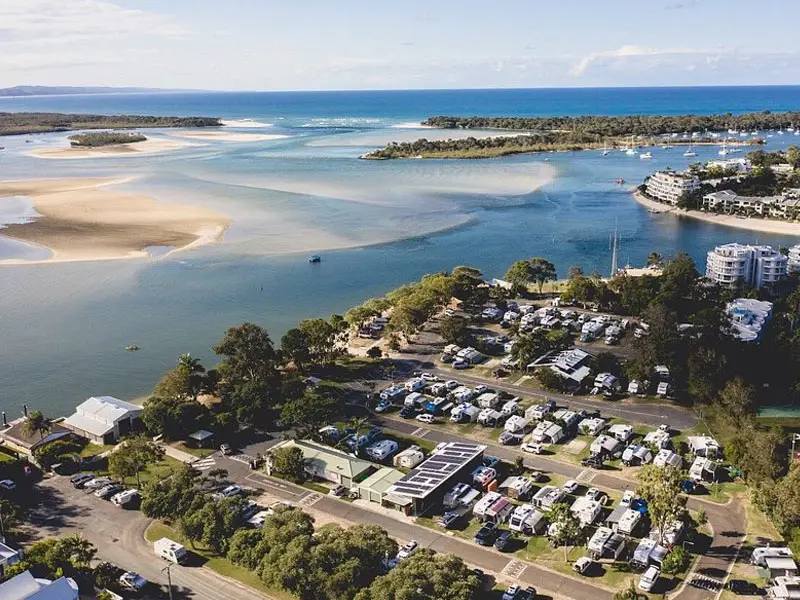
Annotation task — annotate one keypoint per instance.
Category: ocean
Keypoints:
(65, 326)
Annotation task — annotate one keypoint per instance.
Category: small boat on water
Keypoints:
(131, 348)
(646, 155)
(690, 153)
(620, 181)
(630, 152)
(315, 258)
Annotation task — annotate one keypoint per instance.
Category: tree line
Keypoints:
(26, 122)
(104, 138)
(625, 125)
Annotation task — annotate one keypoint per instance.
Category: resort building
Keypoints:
(736, 264)
(748, 317)
(374, 487)
(104, 419)
(17, 436)
(735, 165)
(794, 259)
(329, 464)
(668, 186)
(774, 207)
(425, 486)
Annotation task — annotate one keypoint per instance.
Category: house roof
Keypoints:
(781, 562)
(429, 475)
(328, 459)
(98, 414)
(381, 480)
(25, 587)
(30, 440)
(201, 435)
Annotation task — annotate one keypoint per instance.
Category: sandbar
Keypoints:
(229, 136)
(149, 146)
(750, 224)
(87, 219)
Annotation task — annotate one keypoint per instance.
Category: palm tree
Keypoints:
(194, 372)
(37, 423)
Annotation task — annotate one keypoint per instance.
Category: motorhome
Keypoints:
(488, 400)
(510, 408)
(393, 393)
(470, 355)
(382, 450)
(668, 457)
(569, 418)
(586, 510)
(548, 496)
(454, 496)
(520, 487)
(169, 550)
(462, 394)
(702, 470)
(465, 413)
(483, 476)
(648, 552)
(658, 438)
(516, 424)
(547, 432)
(499, 511)
(414, 400)
(409, 458)
(604, 543)
(540, 411)
(627, 524)
(482, 505)
(439, 389)
(604, 444)
(527, 520)
(621, 431)
(438, 405)
(415, 384)
(125, 498)
(762, 553)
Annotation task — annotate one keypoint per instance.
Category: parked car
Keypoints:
(451, 384)
(426, 418)
(582, 565)
(648, 579)
(509, 439)
(570, 486)
(595, 494)
(512, 592)
(430, 377)
(491, 461)
(408, 550)
(627, 498)
(529, 593)
(486, 534)
(226, 449)
(407, 412)
(132, 581)
(450, 519)
(383, 406)
(481, 389)
(338, 491)
(503, 541)
(81, 479)
(97, 483)
(447, 358)
(741, 587)
(106, 492)
(595, 461)
(532, 447)
(461, 364)
(230, 491)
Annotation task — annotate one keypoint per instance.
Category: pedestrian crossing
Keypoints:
(204, 464)
(586, 476)
(310, 499)
(243, 458)
(420, 432)
(514, 569)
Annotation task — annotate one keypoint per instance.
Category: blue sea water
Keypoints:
(377, 224)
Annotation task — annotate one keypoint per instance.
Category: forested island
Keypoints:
(26, 123)
(104, 138)
(646, 125)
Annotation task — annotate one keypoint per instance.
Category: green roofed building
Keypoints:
(374, 487)
(332, 465)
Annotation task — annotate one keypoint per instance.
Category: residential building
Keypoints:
(731, 265)
(425, 486)
(104, 419)
(27, 587)
(572, 365)
(794, 259)
(728, 201)
(18, 438)
(8, 556)
(748, 317)
(668, 186)
(738, 165)
(329, 464)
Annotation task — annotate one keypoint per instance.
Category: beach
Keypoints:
(750, 224)
(149, 146)
(228, 136)
(88, 220)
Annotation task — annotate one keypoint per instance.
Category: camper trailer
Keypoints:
(499, 511)
(527, 520)
(169, 550)
(482, 505)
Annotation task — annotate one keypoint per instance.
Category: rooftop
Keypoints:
(330, 459)
(429, 475)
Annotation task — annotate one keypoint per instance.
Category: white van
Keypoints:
(169, 550)
(125, 497)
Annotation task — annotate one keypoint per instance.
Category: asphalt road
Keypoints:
(118, 535)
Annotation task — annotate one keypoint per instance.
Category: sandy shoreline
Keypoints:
(149, 146)
(761, 225)
(86, 220)
(228, 136)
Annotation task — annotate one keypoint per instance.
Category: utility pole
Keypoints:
(169, 580)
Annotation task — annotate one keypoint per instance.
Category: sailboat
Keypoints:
(724, 151)
(631, 151)
(646, 155)
(690, 153)
(606, 150)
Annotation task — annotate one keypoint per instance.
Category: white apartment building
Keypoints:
(794, 259)
(737, 264)
(668, 186)
(728, 201)
(748, 317)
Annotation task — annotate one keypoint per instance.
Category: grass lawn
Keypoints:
(216, 563)
(95, 449)
(6, 458)
(198, 452)
(156, 472)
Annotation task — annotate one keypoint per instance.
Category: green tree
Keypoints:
(542, 271)
(519, 274)
(574, 271)
(630, 593)
(56, 556)
(455, 331)
(676, 561)
(55, 452)
(294, 346)
(469, 287)
(288, 462)
(132, 457)
(308, 413)
(654, 259)
(530, 346)
(760, 453)
(37, 423)
(213, 522)
(738, 401)
(374, 352)
(323, 340)
(792, 155)
(174, 418)
(424, 576)
(566, 528)
(184, 381)
(661, 488)
(170, 498)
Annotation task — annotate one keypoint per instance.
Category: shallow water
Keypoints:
(65, 327)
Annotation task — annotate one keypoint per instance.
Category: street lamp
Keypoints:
(169, 580)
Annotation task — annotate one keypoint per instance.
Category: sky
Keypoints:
(359, 44)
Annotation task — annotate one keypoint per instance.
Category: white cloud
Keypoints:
(625, 52)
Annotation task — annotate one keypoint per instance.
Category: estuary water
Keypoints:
(64, 327)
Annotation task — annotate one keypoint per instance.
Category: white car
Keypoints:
(452, 384)
(230, 491)
(429, 377)
(132, 581)
(480, 389)
(409, 549)
(97, 483)
(8, 485)
(582, 564)
(570, 486)
(532, 447)
(627, 498)
(648, 579)
(461, 364)
(426, 418)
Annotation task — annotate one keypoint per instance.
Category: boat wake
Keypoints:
(244, 123)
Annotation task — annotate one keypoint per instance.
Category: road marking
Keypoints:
(204, 464)
(242, 458)
(514, 569)
(268, 485)
(420, 432)
(311, 499)
(586, 476)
